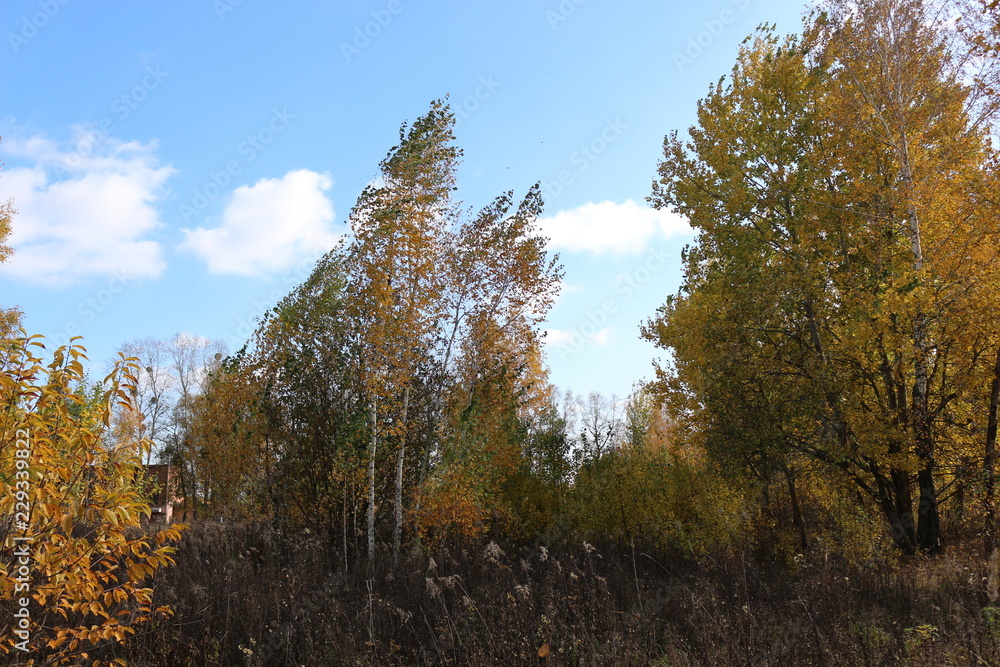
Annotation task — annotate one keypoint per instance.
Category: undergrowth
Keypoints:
(246, 594)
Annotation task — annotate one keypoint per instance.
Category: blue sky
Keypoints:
(177, 166)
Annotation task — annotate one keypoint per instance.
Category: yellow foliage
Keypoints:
(449, 505)
(838, 303)
(73, 562)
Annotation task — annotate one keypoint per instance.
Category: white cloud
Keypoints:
(84, 211)
(607, 227)
(574, 340)
(558, 337)
(269, 226)
(601, 337)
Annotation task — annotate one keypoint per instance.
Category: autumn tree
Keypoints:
(833, 302)
(408, 366)
(397, 226)
(500, 283)
(979, 24)
(453, 302)
(74, 571)
(232, 428)
(290, 411)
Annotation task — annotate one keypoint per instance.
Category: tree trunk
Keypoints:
(928, 518)
(988, 459)
(960, 498)
(929, 521)
(371, 480)
(892, 494)
(343, 524)
(796, 511)
(902, 511)
(397, 531)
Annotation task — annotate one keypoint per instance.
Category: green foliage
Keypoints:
(646, 496)
(535, 495)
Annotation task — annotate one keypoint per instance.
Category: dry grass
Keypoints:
(246, 595)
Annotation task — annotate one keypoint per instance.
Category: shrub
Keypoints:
(74, 566)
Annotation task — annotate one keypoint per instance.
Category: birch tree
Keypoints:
(397, 226)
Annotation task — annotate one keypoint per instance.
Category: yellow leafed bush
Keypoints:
(75, 564)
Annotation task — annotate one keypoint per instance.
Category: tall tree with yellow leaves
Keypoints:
(833, 304)
(501, 282)
(906, 88)
(419, 334)
(398, 223)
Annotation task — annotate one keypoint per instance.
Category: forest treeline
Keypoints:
(833, 357)
(829, 387)
(400, 394)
